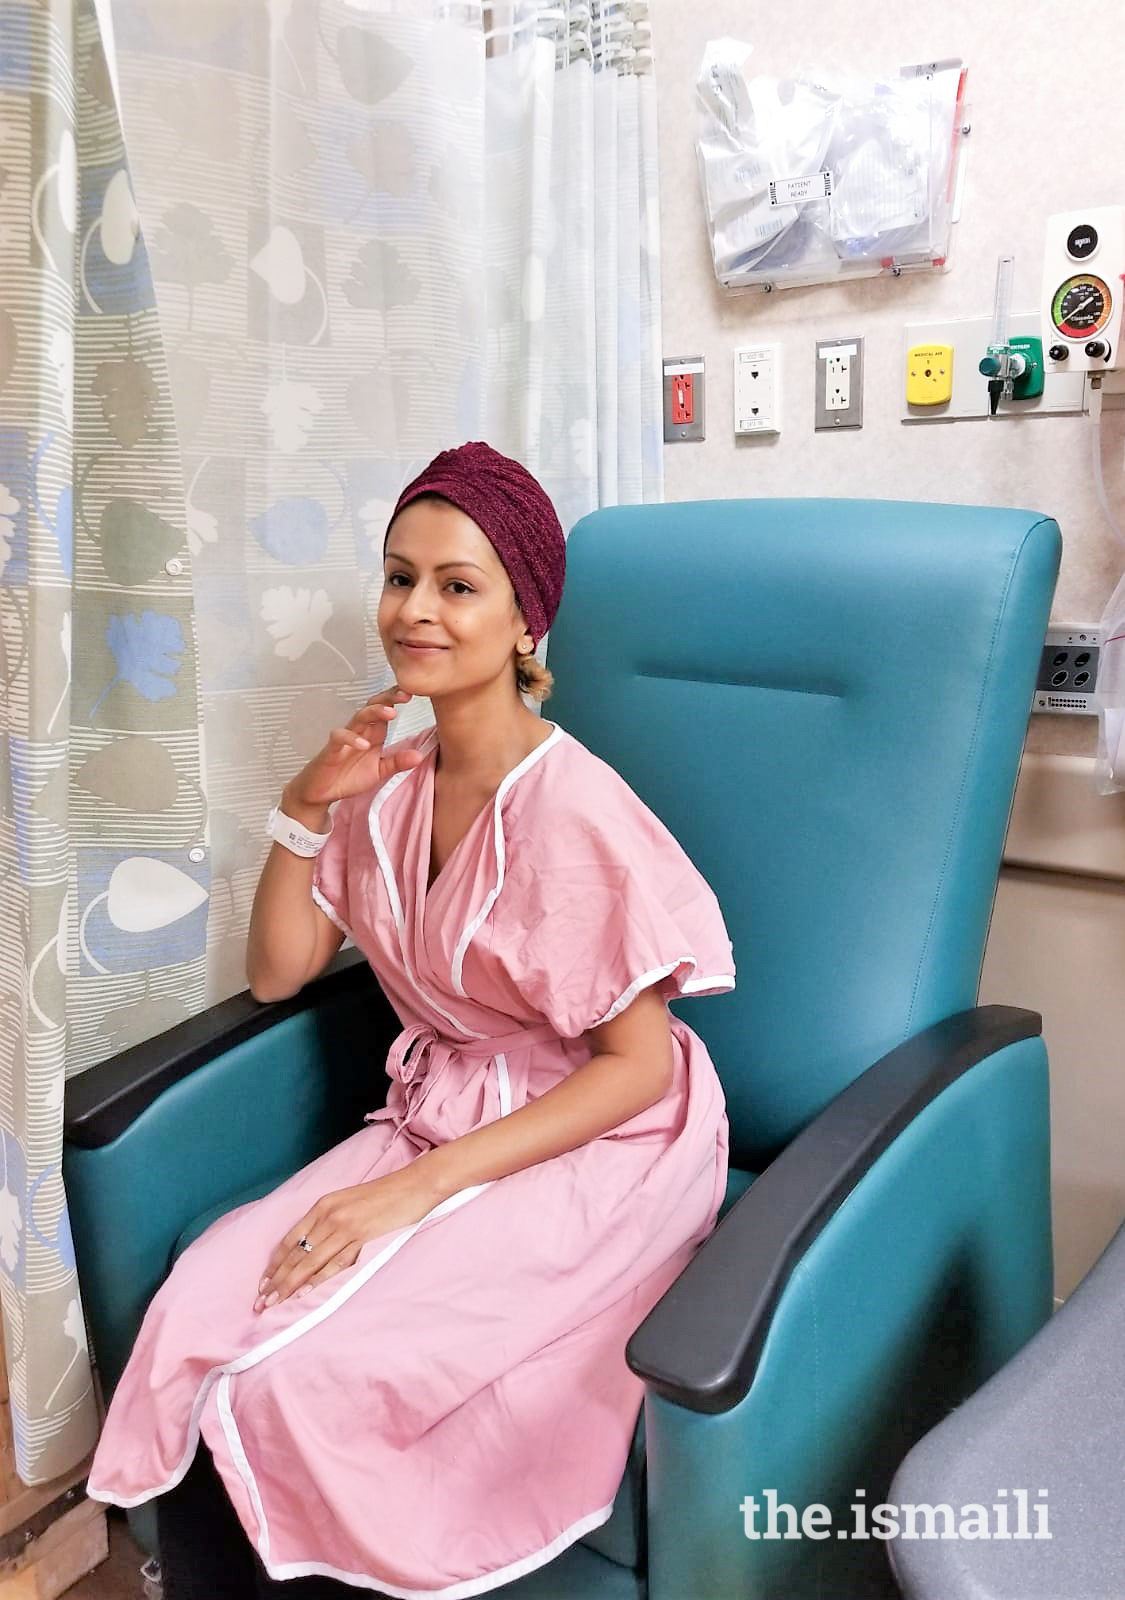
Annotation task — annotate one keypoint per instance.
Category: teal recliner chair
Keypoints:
(825, 701)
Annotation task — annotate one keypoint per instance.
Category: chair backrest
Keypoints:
(825, 701)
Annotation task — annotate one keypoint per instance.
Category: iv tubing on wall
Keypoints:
(1109, 765)
(1099, 476)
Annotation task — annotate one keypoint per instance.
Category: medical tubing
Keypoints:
(1099, 480)
(1109, 768)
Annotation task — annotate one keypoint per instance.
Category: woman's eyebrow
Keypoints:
(393, 555)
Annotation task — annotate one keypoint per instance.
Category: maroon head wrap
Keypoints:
(515, 515)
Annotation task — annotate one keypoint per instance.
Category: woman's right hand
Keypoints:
(353, 761)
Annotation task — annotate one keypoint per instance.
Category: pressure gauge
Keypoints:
(1081, 306)
(1083, 297)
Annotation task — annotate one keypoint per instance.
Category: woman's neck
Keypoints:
(477, 750)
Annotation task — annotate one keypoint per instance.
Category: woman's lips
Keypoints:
(422, 649)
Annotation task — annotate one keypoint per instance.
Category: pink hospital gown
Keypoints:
(455, 1409)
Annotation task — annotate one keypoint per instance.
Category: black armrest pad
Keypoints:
(102, 1102)
(700, 1344)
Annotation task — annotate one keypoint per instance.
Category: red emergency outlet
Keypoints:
(683, 397)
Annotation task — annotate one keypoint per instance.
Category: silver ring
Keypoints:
(305, 1246)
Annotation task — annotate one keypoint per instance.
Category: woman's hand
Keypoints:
(353, 760)
(338, 1227)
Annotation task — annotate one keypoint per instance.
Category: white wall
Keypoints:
(1057, 945)
(1048, 133)
(1042, 140)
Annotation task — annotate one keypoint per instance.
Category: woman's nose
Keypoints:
(419, 602)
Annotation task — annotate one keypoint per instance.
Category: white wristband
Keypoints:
(293, 836)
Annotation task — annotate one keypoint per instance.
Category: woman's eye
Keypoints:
(458, 583)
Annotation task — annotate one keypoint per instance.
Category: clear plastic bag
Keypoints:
(752, 134)
(806, 181)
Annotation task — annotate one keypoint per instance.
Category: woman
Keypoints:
(407, 1363)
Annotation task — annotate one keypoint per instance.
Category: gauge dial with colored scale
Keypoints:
(1081, 306)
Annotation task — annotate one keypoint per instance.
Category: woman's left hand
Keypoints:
(337, 1228)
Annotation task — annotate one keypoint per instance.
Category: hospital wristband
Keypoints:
(300, 840)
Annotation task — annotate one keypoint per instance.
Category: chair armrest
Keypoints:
(103, 1101)
(700, 1345)
(201, 1118)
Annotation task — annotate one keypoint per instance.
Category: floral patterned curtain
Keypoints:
(104, 873)
(349, 233)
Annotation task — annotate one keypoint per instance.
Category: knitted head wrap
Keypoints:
(515, 515)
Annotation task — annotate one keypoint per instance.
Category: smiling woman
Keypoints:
(393, 1332)
(455, 615)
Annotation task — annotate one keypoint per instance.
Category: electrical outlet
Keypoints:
(839, 383)
(757, 401)
(1068, 671)
(683, 398)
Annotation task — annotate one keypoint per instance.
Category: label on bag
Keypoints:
(799, 191)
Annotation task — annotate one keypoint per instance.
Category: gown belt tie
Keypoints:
(420, 1054)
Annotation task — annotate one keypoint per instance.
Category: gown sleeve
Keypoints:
(330, 876)
(601, 901)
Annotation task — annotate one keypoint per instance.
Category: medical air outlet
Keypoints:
(1084, 291)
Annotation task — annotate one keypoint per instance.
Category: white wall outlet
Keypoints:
(757, 397)
(839, 383)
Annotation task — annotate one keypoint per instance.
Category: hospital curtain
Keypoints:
(262, 259)
(103, 862)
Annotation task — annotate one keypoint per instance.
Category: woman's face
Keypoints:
(444, 584)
